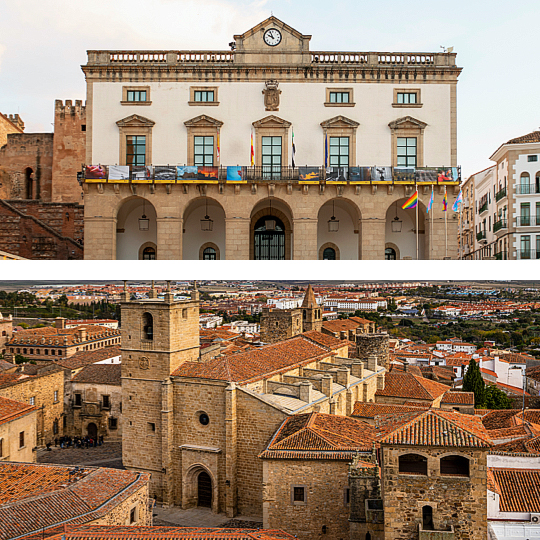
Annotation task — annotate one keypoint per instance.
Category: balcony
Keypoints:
(527, 254)
(499, 225)
(500, 194)
(480, 236)
(483, 208)
(527, 221)
(527, 189)
(182, 174)
(501, 256)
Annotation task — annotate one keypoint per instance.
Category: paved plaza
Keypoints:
(109, 454)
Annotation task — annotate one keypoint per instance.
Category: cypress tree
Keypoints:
(473, 382)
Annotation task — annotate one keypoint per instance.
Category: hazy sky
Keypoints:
(44, 42)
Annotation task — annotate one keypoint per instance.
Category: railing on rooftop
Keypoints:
(500, 194)
(389, 59)
(271, 174)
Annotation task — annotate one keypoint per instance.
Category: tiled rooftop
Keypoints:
(324, 339)
(407, 385)
(84, 358)
(371, 410)
(519, 489)
(257, 363)
(57, 336)
(458, 398)
(11, 410)
(100, 374)
(530, 137)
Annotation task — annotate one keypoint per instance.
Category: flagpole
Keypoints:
(417, 203)
(445, 227)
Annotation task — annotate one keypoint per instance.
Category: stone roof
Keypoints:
(100, 374)
(519, 489)
(435, 427)
(320, 436)
(84, 358)
(458, 398)
(36, 497)
(407, 385)
(11, 410)
(110, 532)
(257, 363)
(309, 298)
(532, 137)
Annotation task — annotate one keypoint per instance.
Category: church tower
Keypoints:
(158, 335)
(311, 312)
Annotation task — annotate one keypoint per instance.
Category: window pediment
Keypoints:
(203, 121)
(340, 122)
(407, 122)
(272, 122)
(135, 120)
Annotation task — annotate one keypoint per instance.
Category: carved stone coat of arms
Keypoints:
(271, 95)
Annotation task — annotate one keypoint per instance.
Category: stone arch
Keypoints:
(413, 463)
(129, 238)
(278, 209)
(347, 238)
(395, 248)
(29, 180)
(405, 240)
(329, 245)
(190, 487)
(193, 236)
(209, 245)
(454, 464)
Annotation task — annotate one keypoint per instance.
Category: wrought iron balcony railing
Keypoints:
(483, 208)
(499, 225)
(501, 256)
(500, 194)
(527, 254)
(481, 235)
(527, 221)
(527, 189)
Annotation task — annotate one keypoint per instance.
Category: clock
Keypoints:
(272, 37)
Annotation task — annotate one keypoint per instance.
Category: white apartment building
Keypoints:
(455, 346)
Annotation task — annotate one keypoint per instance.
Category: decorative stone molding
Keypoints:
(201, 126)
(408, 127)
(135, 125)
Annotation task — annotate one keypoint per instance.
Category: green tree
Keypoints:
(496, 398)
(20, 359)
(473, 382)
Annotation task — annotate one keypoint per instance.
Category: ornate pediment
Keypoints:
(203, 121)
(251, 38)
(407, 122)
(135, 121)
(271, 122)
(339, 122)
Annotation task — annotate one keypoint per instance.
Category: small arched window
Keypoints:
(427, 518)
(209, 254)
(148, 326)
(390, 254)
(412, 464)
(149, 254)
(329, 254)
(454, 466)
(524, 181)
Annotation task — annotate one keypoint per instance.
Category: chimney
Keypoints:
(357, 370)
(380, 382)
(343, 376)
(305, 391)
(372, 363)
(326, 385)
(60, 323)
(82, 334)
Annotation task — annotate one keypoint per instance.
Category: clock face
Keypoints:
(272, 37)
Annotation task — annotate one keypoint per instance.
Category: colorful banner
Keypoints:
(447, 174)
(308, 175)
(359, 174)
(236, 174)
(403, 174)
(411, 202)
(337, 174)
(95, 172)
(427, 174)
(142, 174)
(381, 174)
(119, 173)
(188, 173)
(165, 173)
(210, 174)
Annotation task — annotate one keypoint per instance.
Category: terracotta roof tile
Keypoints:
(407, 385)
(371, 410)
(324, 339)
(84, 358)
(458, 398)
(530, 137)
(519, 489)
(11, 410)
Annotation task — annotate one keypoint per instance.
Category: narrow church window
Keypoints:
(151, 426)
(148, 326)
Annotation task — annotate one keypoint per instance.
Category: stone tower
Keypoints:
(158, 335)
(311, 312)
(374, 345)
(280, 324)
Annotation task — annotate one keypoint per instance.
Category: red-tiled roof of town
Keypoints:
(435, 427)
(111, 532)
(519, 489)
(361, 320)
(342, 325)
(371, 410)
(5, 365)
(84, 358)
(321, 436)
(524, 445)
(57, 336)
(37, 497)
(100, 374)
(514, 432)
(407, 385)
(11, 410)
(458, 398)
(450, 361)
(500, 418)
(325, 340)
(30, 372)
(486, 371)
(406, 368)
(532, 137)
(257, 363)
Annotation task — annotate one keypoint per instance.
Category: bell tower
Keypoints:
(158, 335)
(311, 312)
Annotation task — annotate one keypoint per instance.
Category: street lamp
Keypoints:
(207, 224)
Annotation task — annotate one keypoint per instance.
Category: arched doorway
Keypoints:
(338, 224)
(329, 254)
(92, 430)
(271, 231)
(149, 254)
(401, 231)
(136, 227)
(204, 224)
(204, 490)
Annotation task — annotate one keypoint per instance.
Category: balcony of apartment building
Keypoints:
(501, 256)
(501, 194)
(526, 187)
(526, 220)
(500, 226)
(481, 235)
(483, 208)
(527, 254)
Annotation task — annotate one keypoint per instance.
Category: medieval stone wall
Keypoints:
(325, 484)
(456, 500)
(280, 324)
(373, 345)
(9, 124)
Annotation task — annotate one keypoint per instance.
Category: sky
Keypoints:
(43, 43)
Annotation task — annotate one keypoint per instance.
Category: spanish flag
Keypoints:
(412, 202)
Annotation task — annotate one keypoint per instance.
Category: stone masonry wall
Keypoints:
(9, 124)
(457, 501)
(42, 388)
(280, 324)
(373, 345)
(325, 483)
(9, 435)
